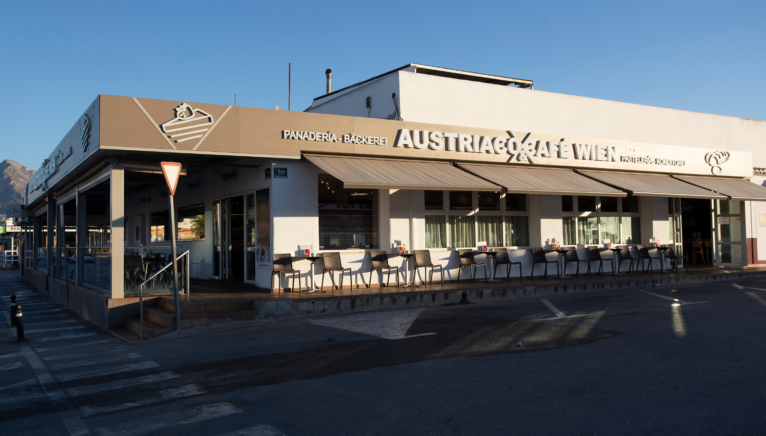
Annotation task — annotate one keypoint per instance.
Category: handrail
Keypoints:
(141, 288)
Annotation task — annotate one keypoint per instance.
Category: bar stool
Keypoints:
(594, 255)
(671, 254)
(331, 263)
(467, 259)
(283, 264)
(573, 255)
(380, 262)
(627, 254)
(503, 258)
(423, 260)
(539, 256)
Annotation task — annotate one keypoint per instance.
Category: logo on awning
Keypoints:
(715, 159)
(188, 124)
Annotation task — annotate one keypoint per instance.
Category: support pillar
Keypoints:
(117, 239)
(60, 241)
(36, 235)
(51, 225)
(82, 233)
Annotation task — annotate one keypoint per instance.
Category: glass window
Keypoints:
(567, 203)
(489, 201)
(631, 230)
(191, 222)
(436, 231)
(516, 202)
(730, 253)
(610, 229)
(630, 204)
(608, 204)
(461, 231)
(586, 203)
(491, 230)
(728, 207)
(587, 230)
(730, 229)
(517, 231)
(159, 223)
(460, 200)
(570, 237)
(434, 200)
(348, 218)
(250, 238)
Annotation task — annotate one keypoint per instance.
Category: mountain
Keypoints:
(13, 177)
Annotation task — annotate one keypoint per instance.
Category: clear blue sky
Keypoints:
(58, 56)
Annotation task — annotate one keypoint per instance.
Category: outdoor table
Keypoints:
(407, 257)
(492, 259)
(313, 260)
(563, 256)
(616, 257)
(662, 249)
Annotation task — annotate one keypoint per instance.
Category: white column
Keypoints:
(117, 197)
(82, 234)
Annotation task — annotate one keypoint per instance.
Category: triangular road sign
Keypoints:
(171, 170)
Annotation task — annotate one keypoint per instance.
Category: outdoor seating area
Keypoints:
(563, 262)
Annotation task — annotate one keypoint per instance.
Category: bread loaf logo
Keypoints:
(188, 124)
(715, 159)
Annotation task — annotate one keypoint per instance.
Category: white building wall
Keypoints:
(352, 102)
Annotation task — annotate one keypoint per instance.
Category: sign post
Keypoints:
(172, 170)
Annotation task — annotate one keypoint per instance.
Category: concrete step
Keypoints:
(125, 334)
(151, 329)
(220, 306)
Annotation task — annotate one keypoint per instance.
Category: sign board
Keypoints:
(171, 170)
(280, 173)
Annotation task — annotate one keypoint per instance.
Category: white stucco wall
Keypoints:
(352, 102)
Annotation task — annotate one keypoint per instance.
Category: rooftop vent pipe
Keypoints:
(328, 73)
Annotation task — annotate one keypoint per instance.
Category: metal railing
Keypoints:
(184, 277)
(10, 257)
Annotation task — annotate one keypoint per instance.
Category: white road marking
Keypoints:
(93, 362)
(108, 371)
(261, 430)
(558, 313)
(45, 350)
(566, 317)
(63, 337)
(387, 325)
(121, 384)
(55, 329)
(24, 396)
(76, 355)
(58, 315)
(5, 356)
(170, 420)
(676, 300)
(63, 321)
(747, 287)
(24, 384)
(159, 397)
(11, 366)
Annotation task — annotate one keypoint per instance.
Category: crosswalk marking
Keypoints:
(261, 430)
(11, 366)
(108, 371)
(5, 356)
(25, 383)
(160, 397)
(121, 384)
(58, 315)
(63, 337)
(170, 420)
(62, 321)
(76, 355)
(55, 329)
(93, 362)
(24, 396)
(35, 312)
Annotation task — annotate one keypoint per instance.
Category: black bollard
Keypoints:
(19, 325)
(13, 310)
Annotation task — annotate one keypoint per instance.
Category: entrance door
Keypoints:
(729, 225)
(675, 216)
(229, 239)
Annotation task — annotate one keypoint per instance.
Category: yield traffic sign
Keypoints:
(171, 170)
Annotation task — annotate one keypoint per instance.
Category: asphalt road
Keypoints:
(684, 360)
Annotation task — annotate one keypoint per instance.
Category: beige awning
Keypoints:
(533, 180)
(651, 185)
(372, 173)
(737, 189)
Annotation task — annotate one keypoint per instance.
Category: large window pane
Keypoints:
(491, 230)
(631, 230)
(191, 222)
(730, 253)
(730, 229)
(629, 204)
(489, 201)
(726, 207)
(610, 229)
(517, 231)
(460, 200)
(250, 238)
(436, 231)
(608, 204)
(461, 231)
(570, 227)
(516, 202)
(348, 218)
(586, 203)
(159, 223)
(567, 203)
(587, 230)
(434, 200)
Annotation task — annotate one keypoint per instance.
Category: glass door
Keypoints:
(216, 240)
(250, 238)
(225, 238)
(729, 225)
(675, 226)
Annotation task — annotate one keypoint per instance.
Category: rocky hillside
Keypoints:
(13, 177)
